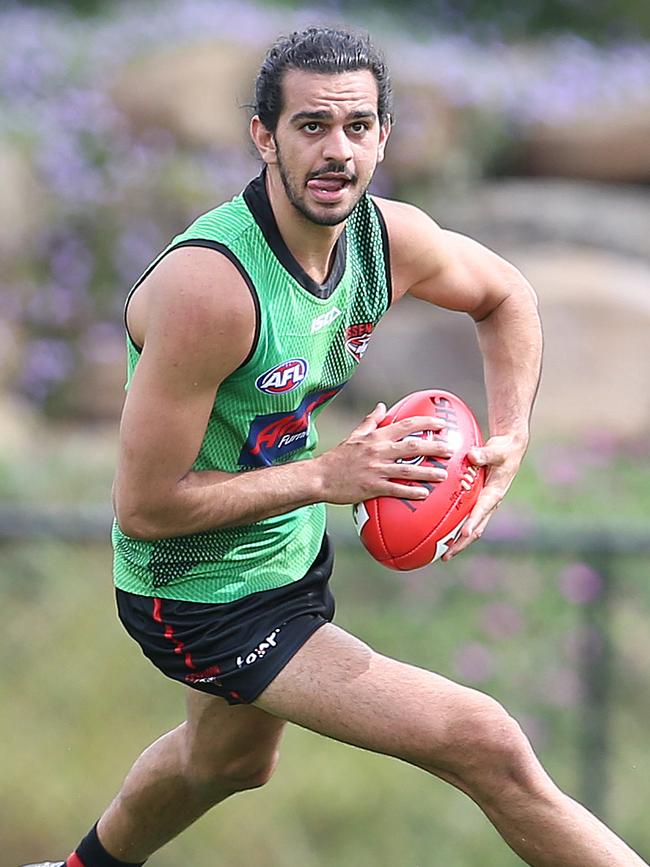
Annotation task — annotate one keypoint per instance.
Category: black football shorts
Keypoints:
(234, 649)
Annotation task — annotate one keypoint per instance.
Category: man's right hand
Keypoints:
(364, 464)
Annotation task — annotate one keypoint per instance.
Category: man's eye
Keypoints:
(359, 127)
(312, 127)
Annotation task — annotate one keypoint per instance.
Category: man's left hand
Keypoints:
(501, 456)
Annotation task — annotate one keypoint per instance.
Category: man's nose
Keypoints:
(337, 146)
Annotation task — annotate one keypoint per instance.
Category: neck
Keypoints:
(311, 244)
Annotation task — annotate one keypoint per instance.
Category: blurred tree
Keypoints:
(80, 7)
(601, 20)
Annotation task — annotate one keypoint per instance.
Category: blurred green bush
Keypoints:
(602, 21)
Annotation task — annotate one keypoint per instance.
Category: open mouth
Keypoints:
(329, 187)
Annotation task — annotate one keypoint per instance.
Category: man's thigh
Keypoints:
(339, 687)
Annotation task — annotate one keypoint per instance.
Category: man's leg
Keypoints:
(339, 687)
(218, 751)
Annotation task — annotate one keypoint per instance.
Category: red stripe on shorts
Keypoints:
(74, 861)
(179, 647)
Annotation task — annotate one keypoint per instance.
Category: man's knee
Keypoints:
(487, 750)
(249, 771)
(231, 774)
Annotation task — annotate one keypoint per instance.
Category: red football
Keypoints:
(407, 534)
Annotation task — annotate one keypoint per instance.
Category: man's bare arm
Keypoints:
(504, 308)
(455, 272)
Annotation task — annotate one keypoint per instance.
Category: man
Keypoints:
(239, 334)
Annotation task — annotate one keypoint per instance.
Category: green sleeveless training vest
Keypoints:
(309, 339)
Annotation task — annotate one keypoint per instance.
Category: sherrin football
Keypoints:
(407, 534)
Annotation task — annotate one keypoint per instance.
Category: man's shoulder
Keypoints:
(196, 271)
(419, 247)
(193, 303)
(409, 227)
(395, 209)
(223, 224)
(196, 290)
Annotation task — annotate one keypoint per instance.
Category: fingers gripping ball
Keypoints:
(407, 534)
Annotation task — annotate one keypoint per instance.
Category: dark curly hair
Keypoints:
(323, 50)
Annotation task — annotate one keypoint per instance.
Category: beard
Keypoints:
(297, 197)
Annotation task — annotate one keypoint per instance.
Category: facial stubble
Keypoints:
(297, 200)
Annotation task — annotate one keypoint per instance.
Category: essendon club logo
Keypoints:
(278, 434)
(283, 377)
(357, 338)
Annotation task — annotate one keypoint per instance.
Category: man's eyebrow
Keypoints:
(360, 114)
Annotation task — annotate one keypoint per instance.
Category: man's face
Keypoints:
(328, 142)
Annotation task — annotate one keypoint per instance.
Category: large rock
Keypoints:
(602, 143)
(426, 135)
(596, 311)
(521, 212)
(198, 92)
(18, 424)
(23, 203)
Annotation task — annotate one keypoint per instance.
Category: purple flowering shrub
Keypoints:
(111, 198)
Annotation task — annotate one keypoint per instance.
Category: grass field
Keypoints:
(81, 702)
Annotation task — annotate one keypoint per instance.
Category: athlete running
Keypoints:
(239, 334)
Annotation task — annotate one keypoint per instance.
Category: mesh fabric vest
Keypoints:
(309, 339)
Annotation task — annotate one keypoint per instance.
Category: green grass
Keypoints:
(81, 702)
(84, 703)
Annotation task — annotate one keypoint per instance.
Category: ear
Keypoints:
(264, 141)
(384, 132)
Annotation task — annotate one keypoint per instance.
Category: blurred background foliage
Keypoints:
(523, 125)
(602, 20)
(109, 144)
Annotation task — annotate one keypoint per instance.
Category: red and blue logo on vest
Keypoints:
(357, 338)
(283, 377)
(277, 434)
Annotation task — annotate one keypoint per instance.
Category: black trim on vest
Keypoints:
(220, 248)
(386, 248)
(257, 199)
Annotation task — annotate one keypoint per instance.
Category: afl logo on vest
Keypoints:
(283, 377)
